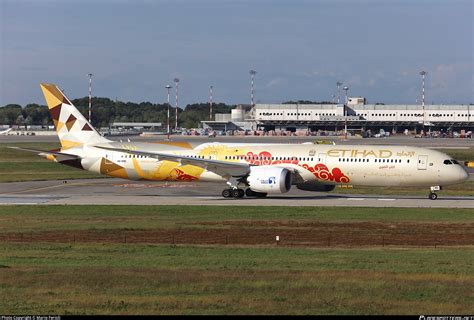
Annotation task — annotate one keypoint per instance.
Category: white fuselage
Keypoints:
(363, 165)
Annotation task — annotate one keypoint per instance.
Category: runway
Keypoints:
(122, 192)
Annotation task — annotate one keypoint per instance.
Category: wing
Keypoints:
(223, 168)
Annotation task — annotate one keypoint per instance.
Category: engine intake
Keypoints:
(269, 179)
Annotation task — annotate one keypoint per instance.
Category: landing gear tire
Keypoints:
(433, 196)
(237, 193)
(226, 193)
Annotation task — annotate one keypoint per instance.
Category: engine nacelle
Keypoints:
(269, 179)
(315, 186)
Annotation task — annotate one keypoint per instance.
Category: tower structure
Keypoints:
(252, 92)
(176, 81)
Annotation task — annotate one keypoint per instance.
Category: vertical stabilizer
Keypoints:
(72, 128)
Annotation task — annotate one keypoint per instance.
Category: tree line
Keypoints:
(307, 102)
(106, 111)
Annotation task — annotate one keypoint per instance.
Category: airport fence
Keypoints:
(234, 237)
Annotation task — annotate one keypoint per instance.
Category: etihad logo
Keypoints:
(341, 153)
(270, 180)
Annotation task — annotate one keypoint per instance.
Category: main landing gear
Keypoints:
(239, 193)
(233, 193)
(433, 195)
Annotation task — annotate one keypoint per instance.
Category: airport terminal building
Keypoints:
(358, 116)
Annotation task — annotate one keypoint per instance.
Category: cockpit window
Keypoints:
(454, 161)
(447, 162)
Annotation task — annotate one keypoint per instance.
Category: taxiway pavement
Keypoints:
(110, 191)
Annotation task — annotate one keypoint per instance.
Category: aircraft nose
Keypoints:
(463, 174)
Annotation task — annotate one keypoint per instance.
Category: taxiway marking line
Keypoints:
(46, 188)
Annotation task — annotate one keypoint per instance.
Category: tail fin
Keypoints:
(71, 126)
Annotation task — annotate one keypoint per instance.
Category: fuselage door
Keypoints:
(322, 158)
(422, 162)
(213, 155)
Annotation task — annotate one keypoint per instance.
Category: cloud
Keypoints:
(275, 82)
(446, 75)
(451, 82)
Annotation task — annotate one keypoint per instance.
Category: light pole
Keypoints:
(90, 96)
(252, 75)
(168, 87)
(210, 103)
(339, 84)
(346, 88)
(423, 74)
(176, 81)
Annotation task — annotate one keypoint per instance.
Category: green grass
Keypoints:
(460, 154)
(39, 218)
(120, 278)
(464, 189)
(16, 165)
(145, 279)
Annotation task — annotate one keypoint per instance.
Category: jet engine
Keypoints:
(268, 179)
(315, 186)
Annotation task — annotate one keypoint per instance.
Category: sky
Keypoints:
(299, 48)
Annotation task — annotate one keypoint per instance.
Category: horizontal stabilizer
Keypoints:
(56, 154)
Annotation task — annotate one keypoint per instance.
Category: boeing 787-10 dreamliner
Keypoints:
(249, 169)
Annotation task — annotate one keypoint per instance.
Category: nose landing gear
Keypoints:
(433, 195)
